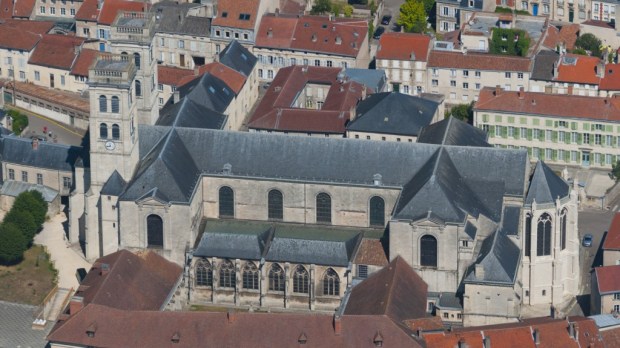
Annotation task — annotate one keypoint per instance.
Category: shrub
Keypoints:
(590, 43)
(20, 121)
(12, 244)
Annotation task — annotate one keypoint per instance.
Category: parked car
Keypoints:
(378, 32)
(386, 19)
(587, 240)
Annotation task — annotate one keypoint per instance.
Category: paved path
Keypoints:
(66, 259)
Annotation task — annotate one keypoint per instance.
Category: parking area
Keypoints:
(596, 223)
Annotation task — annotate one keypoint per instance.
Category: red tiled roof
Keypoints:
(16, 9)
(558, 105)
(112, 7)
(596, 23)
(612, 240)
(89, 11)
(425, 324)
(399, 46)
(231, 12)
(608, 279)
(371, 252)
(292, 7)
(343, 37)
(396, 291)
(173, 76)
(611, 80)
(83, 62)
(56, 51)
(567, 36)
(118, 328)
(71, 100)
(22, 35)
(611, 337)
(477, 61)
(583, 71)
(233, 79)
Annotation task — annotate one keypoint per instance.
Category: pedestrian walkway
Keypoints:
(66, 259)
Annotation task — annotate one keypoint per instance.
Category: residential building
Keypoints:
(17, 9)
(403, 57)
(570, 11)
(605, 290)
(610, 83)
(566, 74)
(51, 62)
(611, 245)
(61, 10)
(239, 20)
(603, 10)
(451, 14)
(561, 38)
(559, 129)
(18, 39)
(11, 189)
(284, 40)
(169, 78)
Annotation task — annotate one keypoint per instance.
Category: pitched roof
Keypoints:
(611, 336)
(173, 76)
(120, 328)
(111, 8)
(396, 291)
(546, 186)
(371, 252)
(393, 113)
(83, 62)
(544, 104)
(114, 186)
(452, 131)
(611, 80)
(14, 188)
(477, 61)
(16, 9)
(208, 91)
(566, 35)
(47, 155)
(230, 77)
(401, 46)
(187, 113)
(240, 14)
(238, 58)
(16, 326)
(574, 68)
(174, 18)
(132, 282)
(89, 11)
(340, 36)
(544, 63)
(22, 35)
(608, 279)
(56, 51)
(612, 240)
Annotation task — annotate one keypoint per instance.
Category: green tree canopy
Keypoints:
(464, 112)
(412, 16)
(32, 202)
(321, 7)
(615, 171)
(12, 244)
(590, 43)
(24, 221)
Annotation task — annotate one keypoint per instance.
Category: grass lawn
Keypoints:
(28, 282)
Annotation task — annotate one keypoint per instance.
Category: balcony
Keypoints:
(133, 27)
(111, 69)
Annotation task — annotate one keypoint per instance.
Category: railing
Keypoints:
(39, 313)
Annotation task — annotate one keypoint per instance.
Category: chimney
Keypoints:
(479, 271)
(420, 332)
(521, 93)
(277, 12)
(464, 51)
(486, 342)
(35, 144)
(76, 304)
(600, 70)
(536, 336)
(498, 90)
(231, 315)
(105, 269)
(176, 96)
(555, 68)
(337, 324)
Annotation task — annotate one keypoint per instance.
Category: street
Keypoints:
(60, 133)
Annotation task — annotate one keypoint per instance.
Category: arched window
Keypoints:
(136, 59)
(323, 208)
(563, 218)
(428, 251)
(116, 132)
(528, 235)
(116, 106)
(103, 131)
(227, 202)
(250, 276)
(103, 103)
(331, 283)
(228, 278)
(138, 88)
(155, 231)
(377, 211)
(543, 239)
(124, 56)
(300, 280)
(204, 273)
(276, 278)
(275, 206)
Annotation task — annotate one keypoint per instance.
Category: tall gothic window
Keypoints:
(323, 208)
(428, 251)
(116, 105)
(116, 132)
(377, 211)
(276, 278)
(138, 88)
(136, 60)
(103, 103)
(300, 280)
(275, 205)
(228, 278)
(563, 218)
(155, 231)
(103, 131)
(528, 234)
(543, 239)
(250, 276)
(227, 202)
(204, 273)
(331, 283)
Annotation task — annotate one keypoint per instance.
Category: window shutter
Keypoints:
(504, 132)
(555, 155)
(491, 131)
(567, 136)
(529, 151)
(585, 126)
(609, 128)
(548, 123)
(602, 158)
(554, 136)
(567, 156)
(541, 154)
(485, 118)
(529, 134)
(555, 124)
(573, 125)
(614, 140)
(579, 138)
(541, 135)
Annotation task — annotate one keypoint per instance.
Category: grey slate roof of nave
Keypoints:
(209, 92)
(238, 58)
(499, 257)
(452, 131)
(546, 186)
(114, 186)
(48, 155)
(187, 113)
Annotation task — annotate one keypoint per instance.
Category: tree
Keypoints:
(590, 43)
(412, 16)
(579, 51)
(464, 112)
(348, 11)
(24, 221)
(373, 7)
(32, 202)
(321, 6)
(428, 7)
(615, 171)
(12, 244)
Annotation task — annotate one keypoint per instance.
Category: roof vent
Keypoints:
(377, 179)
(270, 33)
(105, 268)
(176, 337)
(536, 336)
(486, 342)
(302, 338)
(91, 329)
(533, 101)
(314, 38)
(462, 343)
(227, 169)
(338, 40)
(378, 340)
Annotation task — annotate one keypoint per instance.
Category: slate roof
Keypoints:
(452, 131)
(238, 58)
(499, 257)
(393, 113)
(448, 300)
(114, 186)
(16, 326)
(188, 113)
(612, 240)
(48, 155)
(209, 92)
(401, 46)
(543, 67)
(371, 78)
(396, 291)
(14, 188)
(168, 14)
(546, 186)
(471, 230)
(510, 220)
(234, 240)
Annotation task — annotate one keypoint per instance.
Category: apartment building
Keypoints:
(566, 74)
(403, 56)
(239, 20)
(557, 128)
(51, 62)
(57, 9)
(17, 41)
(451, 14)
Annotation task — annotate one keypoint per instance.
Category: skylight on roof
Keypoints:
(211, 89)
(224, 14)
(244, 16)
(243, 56)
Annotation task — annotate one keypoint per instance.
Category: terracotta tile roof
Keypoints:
(292, 7)
(400, 46)
(578, 69)
(112, 7)
(88, 12)
(611, 80)
(275, 111)
(133, 282)
(83, 62)
(342, 37)
(596, 23)
(71, 100)
(22, 35)
(425, 324)
(234, 13)
(173, 76)
(612, 240)
(477, 61)
(56, 51)
(118, 328)
(231, 78)
(16, 9)
(558, 105)
(566, 35)
(396, 291)
(608, 279)
(371, 252)
(611, 337)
